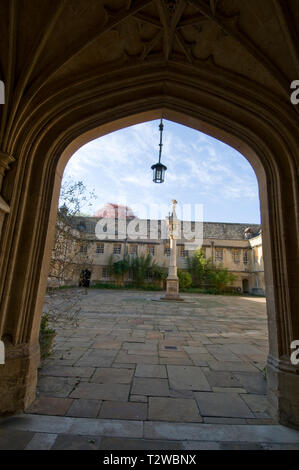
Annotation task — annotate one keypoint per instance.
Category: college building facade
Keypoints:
(235, 246)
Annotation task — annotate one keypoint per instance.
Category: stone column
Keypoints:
(172, 281)
(18, 373)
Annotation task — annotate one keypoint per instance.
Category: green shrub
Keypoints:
(220, 278)
(46, 337)
(185, 279)
(104, 285)
(150, 286)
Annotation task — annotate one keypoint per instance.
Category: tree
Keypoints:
(119, 269)
(221, 278)
(159, 274)
(70, 256)
(198, 267)
(140, 266)
(185, 279)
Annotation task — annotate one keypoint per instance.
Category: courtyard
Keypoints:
(138, 373)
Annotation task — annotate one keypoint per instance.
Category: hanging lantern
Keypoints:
(159, 169)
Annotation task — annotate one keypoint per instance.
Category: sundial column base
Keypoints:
(172, 289)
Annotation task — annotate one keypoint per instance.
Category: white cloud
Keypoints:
(200, 168)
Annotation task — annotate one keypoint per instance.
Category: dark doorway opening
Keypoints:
(85, 278)
(245, 286)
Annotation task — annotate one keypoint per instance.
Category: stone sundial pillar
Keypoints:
(172, 281)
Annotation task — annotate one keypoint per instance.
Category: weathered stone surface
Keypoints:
(50, 406)
(173, 409)
(222, 353)
(71, 442)
(112, 375)
(97, 358)
(150, 387)
(240, 446)
(41, 441)
(106, 427)
(123, 410)
(139, 398)
(147, 370)
(106, 345)
(215, 420)
(199, 445)
(66, 371)
(84, 408)
(253, 382)
(96, 391)
(124, 372)
(114, 443)
(56, 386)
(38, 423)
(229, 389)
(178, 361)
(136, 358)
(218, 404)
(220, 432)
(18, 377)
(221, 379)
(232, 366)
(187, 378)
(257, 403)
(14, 440)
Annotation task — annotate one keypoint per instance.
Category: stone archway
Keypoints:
(52, 121)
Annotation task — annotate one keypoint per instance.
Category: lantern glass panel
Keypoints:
(158, 172)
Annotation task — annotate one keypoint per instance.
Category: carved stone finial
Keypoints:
(5, 161)
(171, 5)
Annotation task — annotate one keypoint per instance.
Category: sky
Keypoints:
(202, 173)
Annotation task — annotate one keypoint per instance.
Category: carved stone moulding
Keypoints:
(5, 161)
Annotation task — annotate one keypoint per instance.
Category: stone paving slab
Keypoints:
(222, 353)
(173, 409)
(56, 386)
(221, 379)
(101, 391)
(139, 398)
(41, 441)
(113, 375)
(257, 403)
(253, 382)
(148, 370)
(178, 361)
(150, 386)
(106, 427)
(50, 406)
(187, 378)
(14, 440)
(66, 371)
(123, 410)
(219, 404)
(36, 423)
(104, 344)
(220, 432)
(84, 408)
(71, 442)
(136, 358)
(114, 443)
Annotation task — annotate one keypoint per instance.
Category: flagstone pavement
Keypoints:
(143, 374)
